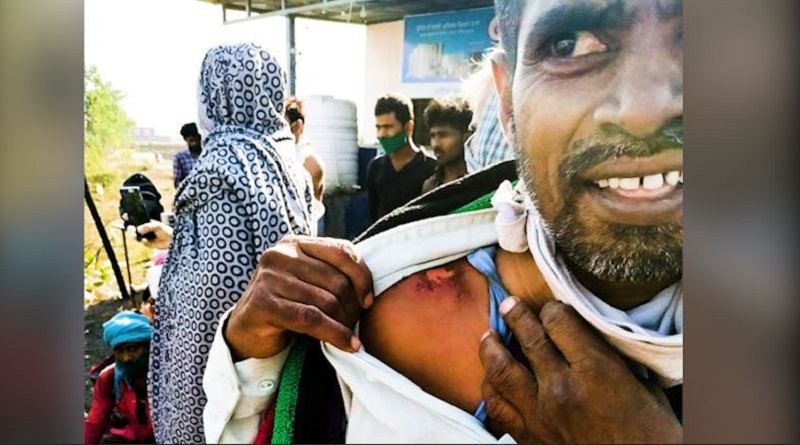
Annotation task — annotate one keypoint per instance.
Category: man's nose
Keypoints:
(647, 94)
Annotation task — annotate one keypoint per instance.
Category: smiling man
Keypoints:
(606, 167)
(555, 316)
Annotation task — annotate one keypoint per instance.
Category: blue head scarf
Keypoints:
(125, 327)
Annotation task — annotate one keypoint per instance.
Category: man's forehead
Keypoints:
(621, 10)
(443, 128)
(135, 344)
(386, 118)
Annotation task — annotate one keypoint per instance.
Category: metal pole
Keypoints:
(248, 6)
(297, 10)
(98, 222)
(292, 51)
(224, 14)
(128, 265)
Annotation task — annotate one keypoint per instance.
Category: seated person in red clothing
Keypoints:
(122, 386)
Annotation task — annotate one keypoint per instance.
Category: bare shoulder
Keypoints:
(522, 278)
(428, 326)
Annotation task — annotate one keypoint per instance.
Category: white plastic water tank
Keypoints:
(332, 129)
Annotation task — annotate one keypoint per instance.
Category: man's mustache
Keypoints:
(613, 143)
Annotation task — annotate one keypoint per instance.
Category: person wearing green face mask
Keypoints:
(396, 177)
(123, 384)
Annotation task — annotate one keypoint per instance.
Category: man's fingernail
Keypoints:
(355, 343)
(485, 335)
(507, 305)
(369, 299)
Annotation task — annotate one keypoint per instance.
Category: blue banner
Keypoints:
(438, 48)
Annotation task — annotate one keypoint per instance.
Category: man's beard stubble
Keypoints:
(611, 252)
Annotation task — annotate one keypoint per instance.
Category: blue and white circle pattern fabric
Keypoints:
(243, 86)
(245, 194)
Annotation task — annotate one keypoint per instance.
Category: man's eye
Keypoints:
(575, 44)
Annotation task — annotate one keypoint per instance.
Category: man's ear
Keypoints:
(410, 128)
(503, 79)
(467, 133)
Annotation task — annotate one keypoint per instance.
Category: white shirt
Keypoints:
(304, 151)
(382, 406)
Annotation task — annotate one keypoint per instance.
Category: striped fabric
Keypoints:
(488, 145)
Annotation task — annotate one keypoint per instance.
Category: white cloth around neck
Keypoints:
(650, 334)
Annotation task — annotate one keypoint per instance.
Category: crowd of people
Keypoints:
(520, 280)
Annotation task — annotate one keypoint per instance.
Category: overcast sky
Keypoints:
(152, 50)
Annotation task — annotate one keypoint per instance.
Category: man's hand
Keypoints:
(162, 232)
(580, 389)
(314, 286)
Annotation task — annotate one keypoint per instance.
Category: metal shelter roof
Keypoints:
(346, 11)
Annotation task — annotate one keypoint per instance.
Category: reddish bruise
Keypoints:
(447, 280)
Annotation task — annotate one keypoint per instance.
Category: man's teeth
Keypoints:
(629, 183)
(674, 177)
(651, 182)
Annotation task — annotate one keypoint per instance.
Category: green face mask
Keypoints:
(394, 143)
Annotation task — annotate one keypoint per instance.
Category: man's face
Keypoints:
(132, 358)
(387, 125)
(448, 144)
(297, 129)
(594, 109)
(296, 123)
(130, 352)
(193, 141)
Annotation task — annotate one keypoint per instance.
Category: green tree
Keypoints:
(106, 125)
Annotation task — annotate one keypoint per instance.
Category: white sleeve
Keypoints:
(237, 393)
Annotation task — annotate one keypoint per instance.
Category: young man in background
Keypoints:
(185, 160)
(396, 177)
(448, 120)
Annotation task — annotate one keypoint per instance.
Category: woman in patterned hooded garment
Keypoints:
(246, 192)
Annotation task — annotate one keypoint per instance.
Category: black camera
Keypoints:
(140, 202)
(132, 204)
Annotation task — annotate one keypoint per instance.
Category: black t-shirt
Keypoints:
(389, 189)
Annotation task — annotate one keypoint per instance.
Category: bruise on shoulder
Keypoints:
(429, 317)
(426, 296)
(447, 287)
(447, 280)
(427, 303)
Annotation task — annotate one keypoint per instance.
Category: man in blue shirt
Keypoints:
(184, 161)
